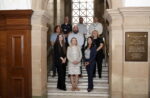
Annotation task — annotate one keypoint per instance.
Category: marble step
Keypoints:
(84, 77)
(81, 78)
(102, 80)
(70, 95)
(103, 69)
(83, 91)
(84, 74)
(81, 84)
(84, 71)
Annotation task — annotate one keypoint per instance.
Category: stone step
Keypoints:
(84, 74)
(103, 68)
(77, 94)
(83, 77)
(81, 84)
(84, 71)
(101, 86)
(51, 80)
(83, 91)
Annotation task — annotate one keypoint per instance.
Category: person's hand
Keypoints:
(75, 62)
(86, 63)
(61, 58)
(64, 60)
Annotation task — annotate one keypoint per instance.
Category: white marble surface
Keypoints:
(137, 3)
(15, 4)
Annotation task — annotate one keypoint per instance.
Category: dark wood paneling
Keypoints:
(15, 54)
(3, 64)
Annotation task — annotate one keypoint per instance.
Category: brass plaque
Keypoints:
(136, 46)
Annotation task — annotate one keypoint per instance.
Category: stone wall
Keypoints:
(128, 79)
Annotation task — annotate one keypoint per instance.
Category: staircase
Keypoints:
(101, 86)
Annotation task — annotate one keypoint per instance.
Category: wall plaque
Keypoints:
(136, 46)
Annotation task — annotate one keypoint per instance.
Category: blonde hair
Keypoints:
(75, 39)
(95, 31)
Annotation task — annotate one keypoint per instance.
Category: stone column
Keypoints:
(50, 10)
(68, 9)
(39, 4)
(128, 79)
(39, 53)
(99, 8)
(115, 53)
(117, 3)
(60, 11)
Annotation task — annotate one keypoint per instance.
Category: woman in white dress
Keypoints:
(74, 56)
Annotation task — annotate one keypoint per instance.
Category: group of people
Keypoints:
(72, 47)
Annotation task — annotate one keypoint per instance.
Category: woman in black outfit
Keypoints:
(60, 57)
(90, 54)
(98, 42)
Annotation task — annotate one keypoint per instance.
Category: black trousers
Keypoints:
(90, 70)
(99, 61)
(54, 68)
(61, 69)
(82, 50)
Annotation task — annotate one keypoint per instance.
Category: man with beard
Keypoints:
(77, 35)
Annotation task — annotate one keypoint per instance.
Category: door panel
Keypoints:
(15, 54)
(18, 52)
(3, 64)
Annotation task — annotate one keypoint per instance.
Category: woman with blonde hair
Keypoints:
(74, 56)
(99, 43)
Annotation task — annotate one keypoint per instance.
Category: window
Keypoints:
(82, 8)
(137, 3)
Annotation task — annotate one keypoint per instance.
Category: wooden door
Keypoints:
(15, 54)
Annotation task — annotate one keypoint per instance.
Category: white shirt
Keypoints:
(79, 38)
(95, 26)
(82, 28)
(87, 53)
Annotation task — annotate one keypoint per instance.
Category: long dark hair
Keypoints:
(92, 45)
(57, 42)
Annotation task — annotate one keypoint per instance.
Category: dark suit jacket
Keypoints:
(58, 52)
(92, 56)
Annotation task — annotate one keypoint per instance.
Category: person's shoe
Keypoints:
(100, 76)
(68, 76)
(94, 76)
(80, 76)
(77, 89)
(72, 89)
(53, 75)
(64, 89)
(89, 90)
